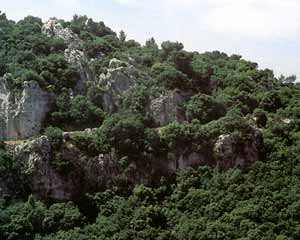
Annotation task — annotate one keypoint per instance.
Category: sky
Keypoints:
(263, 31)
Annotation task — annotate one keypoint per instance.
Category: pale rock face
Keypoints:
(231, 151)
(115, 83)
(44, 181)
(116, 63)
(95, 173)
(22, 116)
(167, 108)
(77, 58)
(35, 157)
(287, 120)
(53, 28)
(74, 56)
(184, 159)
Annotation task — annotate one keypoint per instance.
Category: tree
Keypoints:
(151, 43)
(170, 76)
(204, 108)
(55, 136)
(169, 47)
(126, 134)
(122, 36)
(288, 80)
(76, 112)
(62, 216)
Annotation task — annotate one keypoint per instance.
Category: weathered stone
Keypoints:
(77, 58)
(95, 173)
(74, 56)
(184, 159)
(44, 181)
(115, 84)
(232, 150)
(168, 107)
(116, 63)
(53, 28)
(22, 116)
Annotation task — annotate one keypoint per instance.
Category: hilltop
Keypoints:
(105, 138)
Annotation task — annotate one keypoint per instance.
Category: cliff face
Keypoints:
(93, 173)
(119, 78)
(168, 107)
(21, 116)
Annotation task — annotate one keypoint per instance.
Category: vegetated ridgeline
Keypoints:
(86, 111)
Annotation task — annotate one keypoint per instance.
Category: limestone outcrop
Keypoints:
(88, 173)
(74, 56)
(120, 77)
(232, 150)
(168, 107)
(22, 115)
(53, 28)
(35, 158)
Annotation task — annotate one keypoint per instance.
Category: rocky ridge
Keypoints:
(93, 173)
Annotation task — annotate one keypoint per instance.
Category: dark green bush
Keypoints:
(204, 108)
(55, 135)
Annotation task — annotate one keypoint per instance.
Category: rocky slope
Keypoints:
(92, 173)
(23, 115)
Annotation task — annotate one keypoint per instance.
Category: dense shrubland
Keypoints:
(228, 94)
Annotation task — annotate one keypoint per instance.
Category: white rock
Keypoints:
(22, 116)
(116, 63)
(166, 108)
(115, 83)
(53, 28)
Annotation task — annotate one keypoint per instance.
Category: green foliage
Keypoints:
(62, 216)
(6, 161)
(261, 117)
(55, 135)
(24, 221)
(136, 100)
(56, 71)
(169, 47)
(203, 203)
(225, 95)
(170, 77)
(77, 111)
(97, 47)
(27, 54)
(204, 108)
(126, 134)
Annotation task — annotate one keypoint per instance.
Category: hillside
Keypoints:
(105, 138)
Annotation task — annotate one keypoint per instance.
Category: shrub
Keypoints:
(204, 108)
(55, 135)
